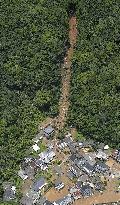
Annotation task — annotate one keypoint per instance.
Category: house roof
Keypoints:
(38, 136)
(68, 140)
(22, 174)
(25, 200)
(47, 203)
(102, 165)
(41, 201)
(47, 156)
(75, 170)
(57, 169)
(6, 184)
(109, 203)
(73, 157)
(87, 167)
(90, 158)
(72, 148)
(39, 162)
(70, 175)
(79, 184)
(101, 154)
(83, 178)
(106, 147)
(86, 190)
(64, 201)
(29, 171)
(58, 182)
(35, 147)
(80, 162)
(101, 146)
(48, 130)
(39, 184)
(9, 194)
(99, 186)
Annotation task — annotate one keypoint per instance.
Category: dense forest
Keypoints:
(34, 40)
(95, 86)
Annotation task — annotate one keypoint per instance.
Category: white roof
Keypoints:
(101, 154)
(106, 147)
(13, 188)
(22, 174)
(35, 147)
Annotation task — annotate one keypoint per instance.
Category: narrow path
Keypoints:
(66, 75)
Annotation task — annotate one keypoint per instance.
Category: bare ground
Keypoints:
(66, 76)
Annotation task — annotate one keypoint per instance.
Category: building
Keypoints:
(47, 203)
(70, 175)
(30, 198)
(76, 194)
(40, 163)
(118, 156)
(72, 148)
(78, 185)
(57, 170)
(101, 155)
(67, 200)
(22, 174)
(59, 184)
(9, 192)
(86, 190)
(87, 168)
(68, 140)
(75, 170)
(98, 184)
(47, 156)
(109, 203)
(38, 136)
(39, 184)
(72, 158)
(35, 147)
(43, 201)
(48, 131)
(83, 178)
(101, 167)
(90, 158)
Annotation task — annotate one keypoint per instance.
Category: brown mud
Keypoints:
(66, 76)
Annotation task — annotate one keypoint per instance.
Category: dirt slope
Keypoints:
(66, 75)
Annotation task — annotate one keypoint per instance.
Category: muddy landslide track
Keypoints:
(66, 76)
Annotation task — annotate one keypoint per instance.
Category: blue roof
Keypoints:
(39, 184)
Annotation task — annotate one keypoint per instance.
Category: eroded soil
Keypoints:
(66, 76)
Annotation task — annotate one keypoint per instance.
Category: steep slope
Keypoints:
(66, 76)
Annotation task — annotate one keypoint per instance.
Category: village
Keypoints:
(65, 171)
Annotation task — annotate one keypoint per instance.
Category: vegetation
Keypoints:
(33, 45)
(34, 40)
(95, 86)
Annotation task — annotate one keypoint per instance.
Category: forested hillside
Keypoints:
(34, 40)
(95, 86)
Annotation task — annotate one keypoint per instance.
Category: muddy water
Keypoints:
(66, 76)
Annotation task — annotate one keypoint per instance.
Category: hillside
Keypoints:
(95, 86)
(34, 47)
(34, 40)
